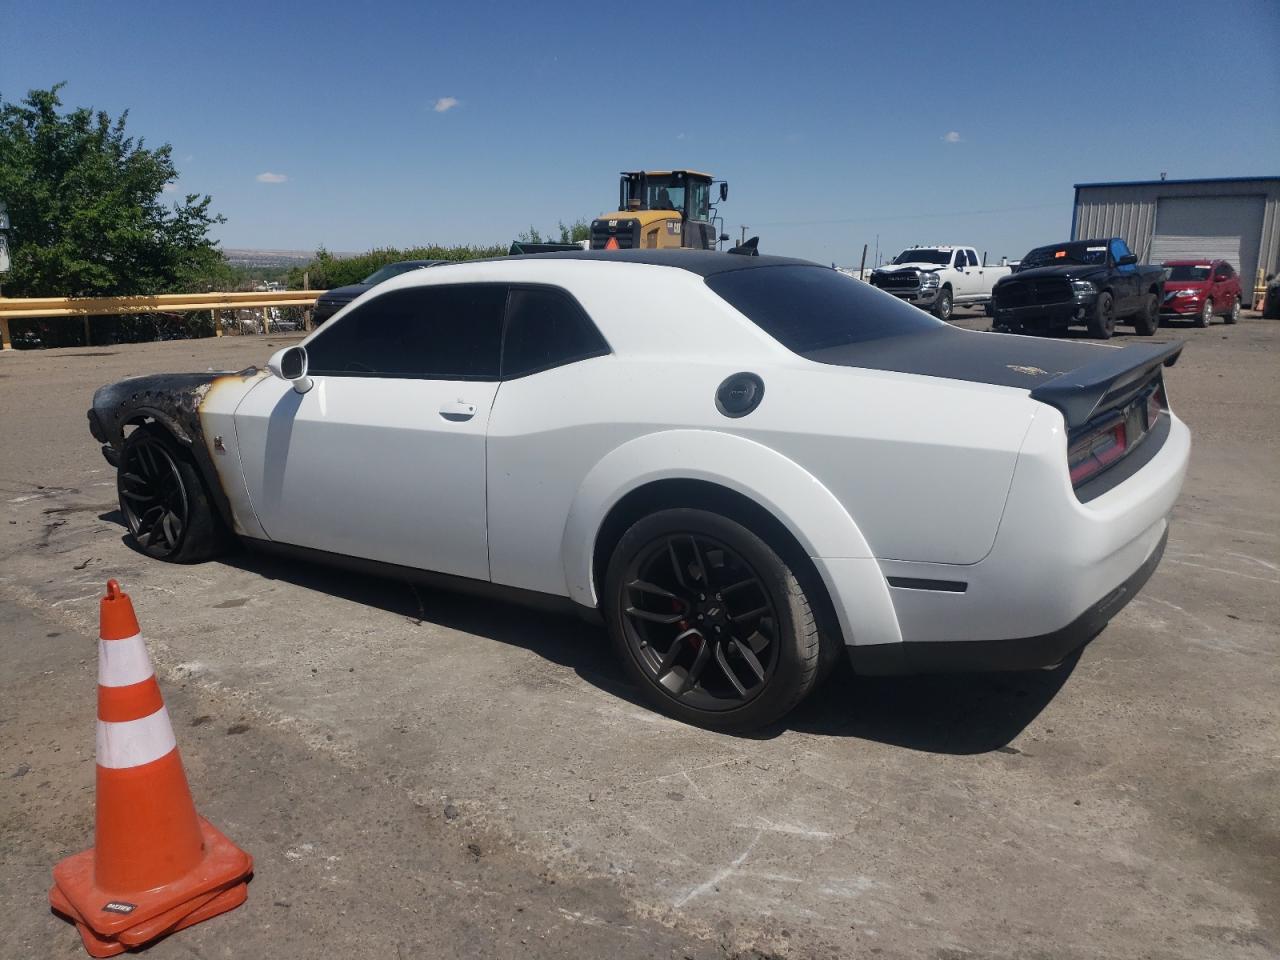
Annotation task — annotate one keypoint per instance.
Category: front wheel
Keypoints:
(1147, 320)
(1206, 314)
(163, 500)
(1102, 322)
(709, 621)
(1233, 315)
(943, 305)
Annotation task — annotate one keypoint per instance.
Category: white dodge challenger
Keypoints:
(743, 465)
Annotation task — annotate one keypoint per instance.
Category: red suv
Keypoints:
(1197, 289)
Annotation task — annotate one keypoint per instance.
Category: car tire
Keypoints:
(944, 305)
(1206, 313)
(164, 501)
(1147, 320)
(1233, 315)
(678, 575)
(1102, 321)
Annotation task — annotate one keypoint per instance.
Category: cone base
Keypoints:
(223, 864)
(206, 906)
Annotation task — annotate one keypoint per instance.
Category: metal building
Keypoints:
(1236, 219)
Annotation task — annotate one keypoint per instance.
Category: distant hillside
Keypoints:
(268, 259)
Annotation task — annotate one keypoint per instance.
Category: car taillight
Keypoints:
(1155, 403)
(1096, 450)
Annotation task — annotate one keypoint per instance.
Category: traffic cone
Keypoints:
(156, 866)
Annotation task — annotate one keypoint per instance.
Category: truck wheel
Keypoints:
(942, 306)
(1147, 320)
(1102, 322)
(1234, 313)
(1206, 313)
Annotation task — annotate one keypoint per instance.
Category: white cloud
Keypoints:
(169, 187)
(270, 177)
(951, 136)
(445, 103)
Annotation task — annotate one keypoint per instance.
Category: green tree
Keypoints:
(85, 205)
(574, 232)
(327, 271)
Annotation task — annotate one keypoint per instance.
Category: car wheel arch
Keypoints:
(801, 516)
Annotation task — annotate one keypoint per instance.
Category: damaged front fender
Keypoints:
(175, 402)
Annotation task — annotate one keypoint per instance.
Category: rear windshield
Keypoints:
(810, 307)
(1186, 271)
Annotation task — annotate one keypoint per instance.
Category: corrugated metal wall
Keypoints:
(1129, 211)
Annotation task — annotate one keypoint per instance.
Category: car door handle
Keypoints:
(457, 411)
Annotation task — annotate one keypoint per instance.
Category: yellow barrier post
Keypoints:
(88, 338)
(217, 326)
(5, 342)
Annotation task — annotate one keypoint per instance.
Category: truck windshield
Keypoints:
(810, 307)
(923, 255)
(1081, 252)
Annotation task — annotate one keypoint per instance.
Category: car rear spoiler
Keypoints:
(1105, 382)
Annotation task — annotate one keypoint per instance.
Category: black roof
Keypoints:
(705, 263)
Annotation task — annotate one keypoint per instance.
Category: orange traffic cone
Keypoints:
(156, 866)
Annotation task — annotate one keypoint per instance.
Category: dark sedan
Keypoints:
(334, 300)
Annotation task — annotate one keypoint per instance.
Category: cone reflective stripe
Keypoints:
(156, 866)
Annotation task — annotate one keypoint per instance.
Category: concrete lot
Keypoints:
(420, 774)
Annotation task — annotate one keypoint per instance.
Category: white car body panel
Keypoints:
(370, 468)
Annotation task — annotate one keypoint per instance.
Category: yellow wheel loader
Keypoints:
(660, 209)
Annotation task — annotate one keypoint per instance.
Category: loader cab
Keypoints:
(660, 209)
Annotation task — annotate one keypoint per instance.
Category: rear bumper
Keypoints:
(1022, 653)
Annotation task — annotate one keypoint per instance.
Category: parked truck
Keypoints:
(1093, 283)
(939, 278)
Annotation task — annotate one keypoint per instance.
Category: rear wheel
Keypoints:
(1234, 313)
(709, 621)
(164, 501)
(1102, 322)
(1206, 313)
(1147, 320)
(942, 307)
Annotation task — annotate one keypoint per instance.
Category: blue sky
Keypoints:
(919, 122)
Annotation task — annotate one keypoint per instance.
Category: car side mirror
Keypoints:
(291, 364)
(724, 191)
(1127, 259)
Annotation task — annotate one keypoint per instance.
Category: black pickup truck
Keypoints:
(1090, 282)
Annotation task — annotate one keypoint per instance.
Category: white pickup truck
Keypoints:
(939, 278)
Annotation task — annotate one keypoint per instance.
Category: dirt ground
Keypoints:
(419, 774)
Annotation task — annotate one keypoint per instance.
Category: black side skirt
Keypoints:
(1024, 653)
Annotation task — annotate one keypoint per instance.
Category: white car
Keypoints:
(744, 465)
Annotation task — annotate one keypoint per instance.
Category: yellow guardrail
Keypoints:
(24, 308)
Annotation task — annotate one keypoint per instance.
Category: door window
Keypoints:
(1223, 272)
(546, 328)
(972, 257)
(450, 332)
(1119, 249)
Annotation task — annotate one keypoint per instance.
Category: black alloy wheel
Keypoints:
(163, 500)
(152, 497)
(1102, 323)
(710, 620)
(1147, 320)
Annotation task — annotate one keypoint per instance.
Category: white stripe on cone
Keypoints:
(131, 743)
(123, 662)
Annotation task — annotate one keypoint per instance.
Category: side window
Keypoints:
(1119, 249)
(426, 333)
(959, 260)
(546, 328)
(1225, 272)
(973, 258)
